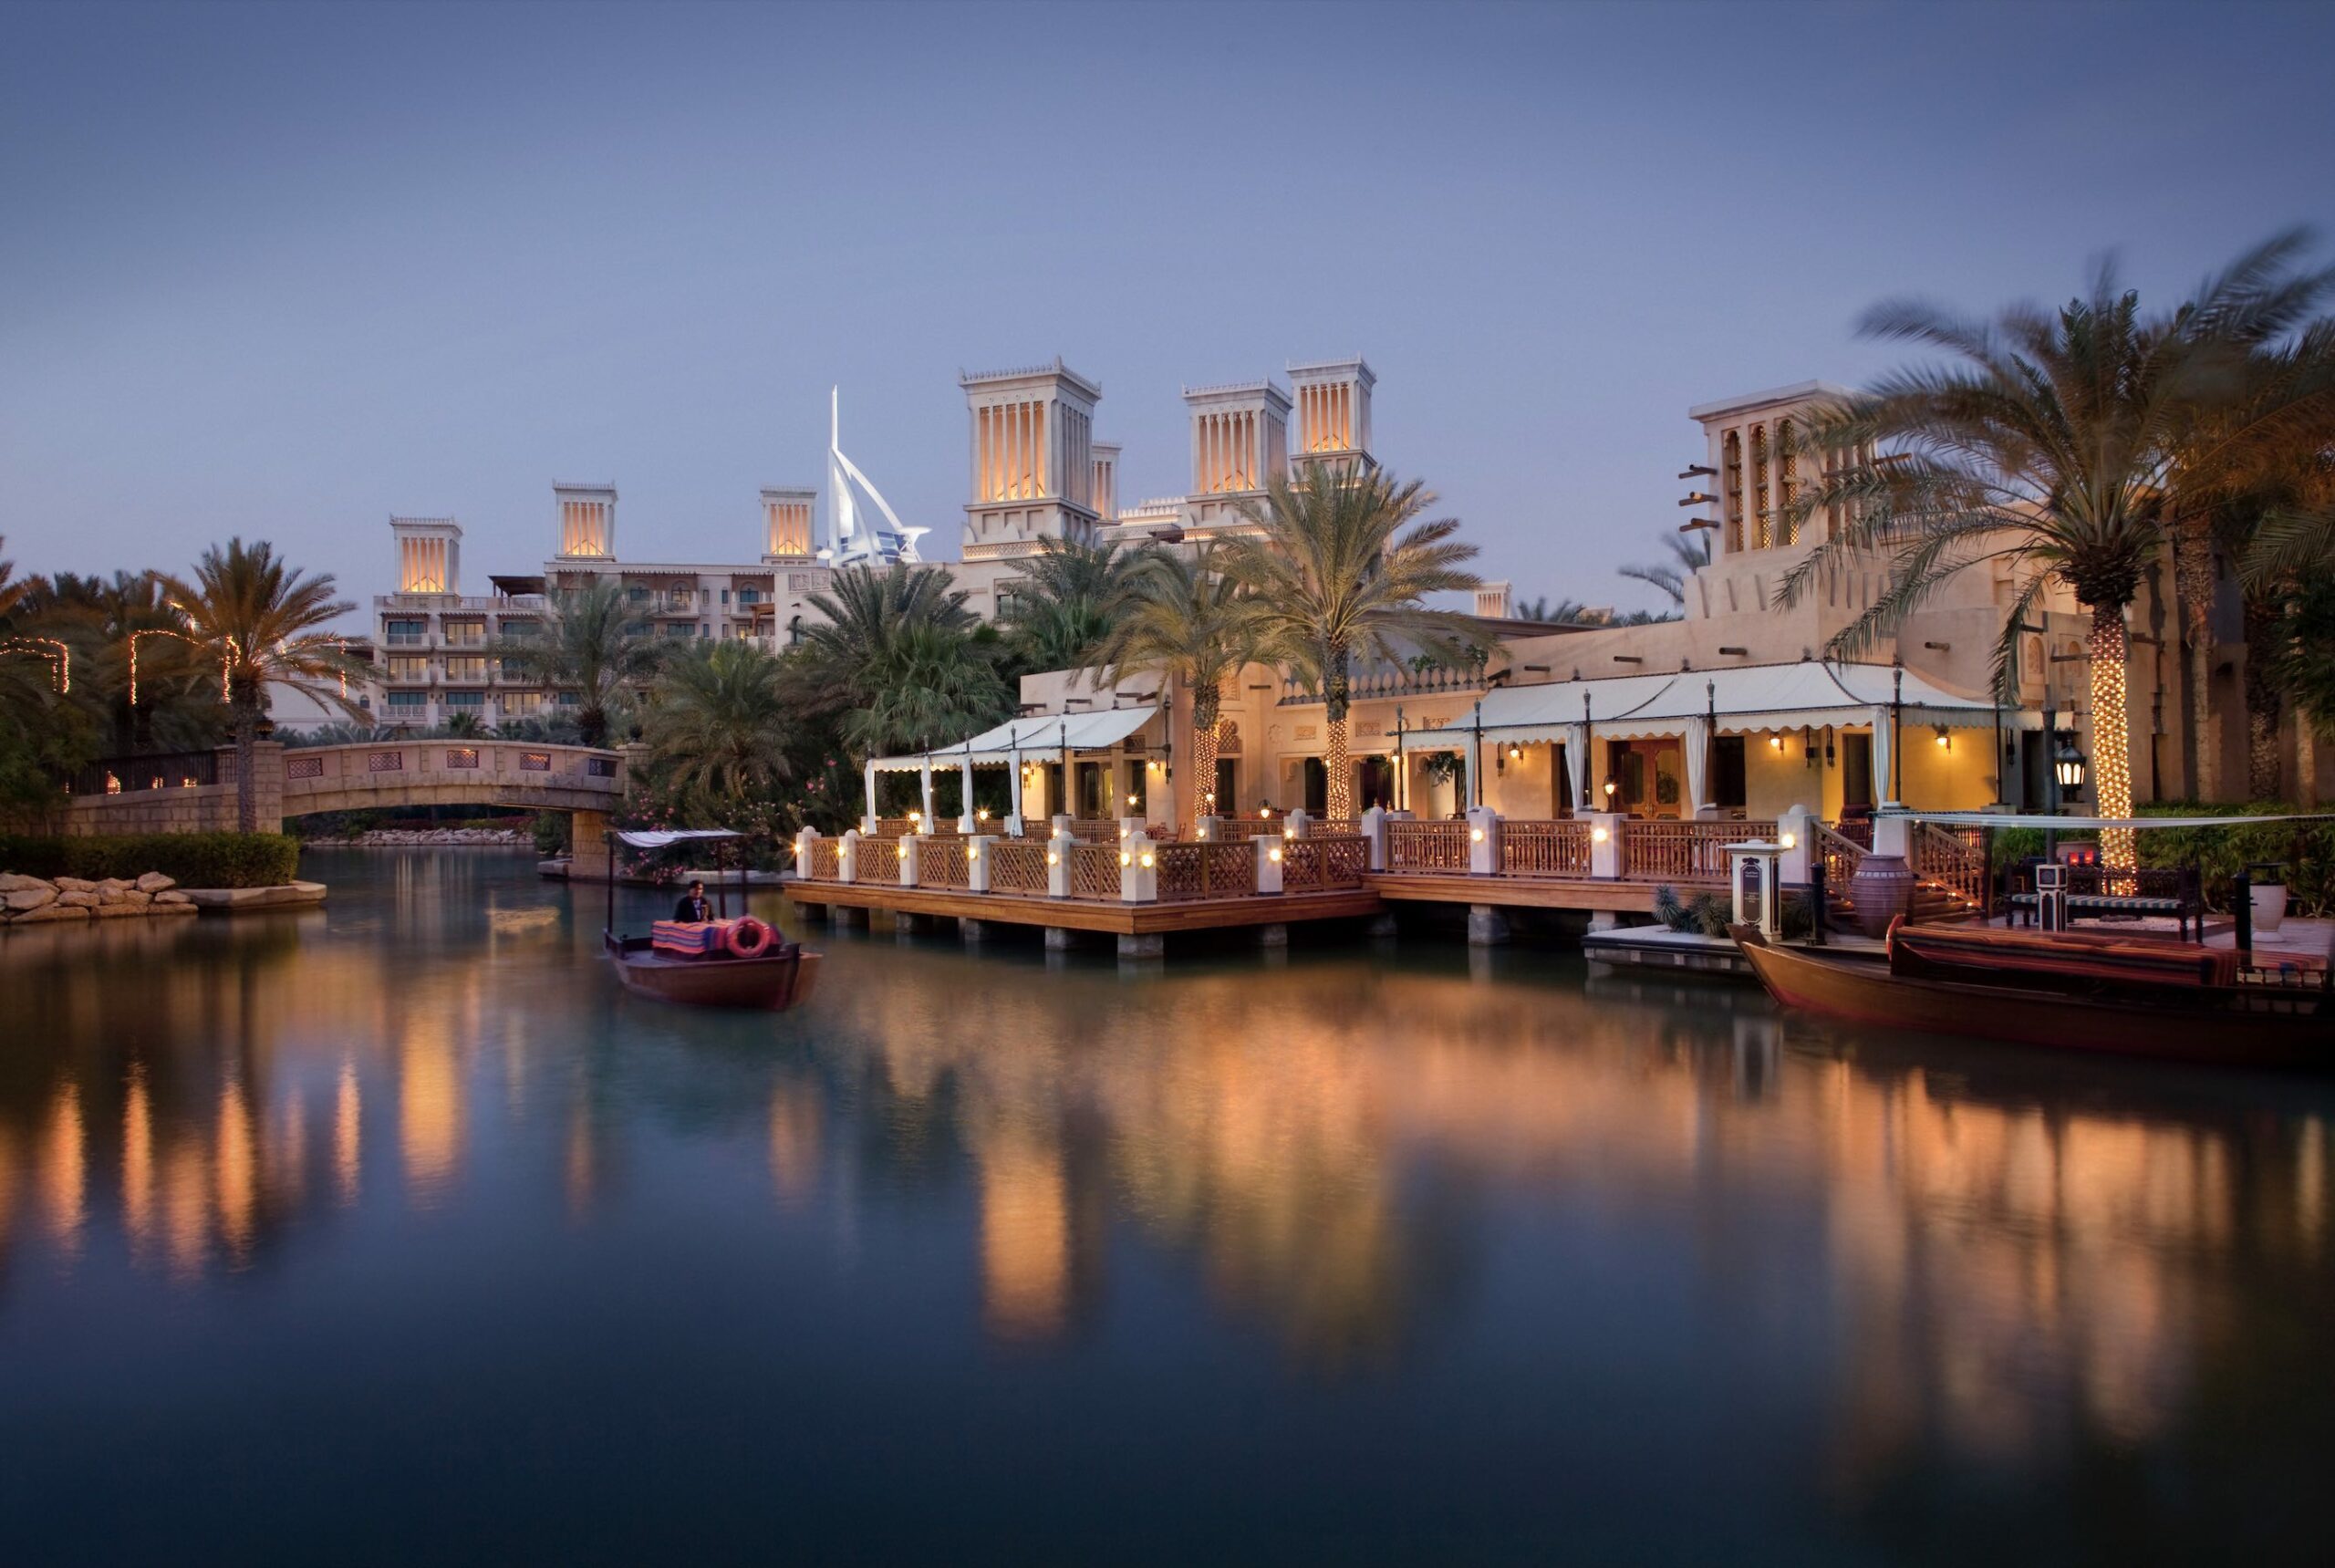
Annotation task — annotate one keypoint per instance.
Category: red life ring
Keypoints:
(747, 938)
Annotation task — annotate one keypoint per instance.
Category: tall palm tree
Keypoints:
(594, 645)
(1689, 552)
(1068, 597)
(720, 719)
(2045, 445)
(1185, 622)
(863, 610)
(266, 622)
(1339, 569)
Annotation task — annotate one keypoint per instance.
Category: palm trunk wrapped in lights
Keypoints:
(2111, 763)
(1206, 716)
(1338, 802)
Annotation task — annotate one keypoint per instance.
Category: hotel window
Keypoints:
(405, 633)
(466, 669)
(408, 701)
(523, 704)
(409, 667)
(465, 634)
(466, 701)
(520, 631)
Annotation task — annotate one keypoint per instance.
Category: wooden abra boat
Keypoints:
(717, 963)
(2069, 990)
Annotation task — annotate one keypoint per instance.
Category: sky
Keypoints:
(282, 272)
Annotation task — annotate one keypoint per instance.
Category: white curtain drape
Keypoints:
(1883, 736)
(1577, 759)
(1697, 747)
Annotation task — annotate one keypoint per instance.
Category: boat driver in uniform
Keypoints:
(693, 909)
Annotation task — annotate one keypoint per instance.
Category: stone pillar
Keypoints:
(1605, 844)
(1150, 945)
(1483, 841)
(976, 862)
(1297, 824)
(1373, 830)
(1058, 939)
(1058, 863)
(1893, 834)
(1208, 829)
(1795, 831)
(1487, 927)
(804, 841)
(267, 788)
(908, 846)
(587, 838)
(974, 932)
(847, 856)
(1273, 936)
(1268, 858)
(1138, 870)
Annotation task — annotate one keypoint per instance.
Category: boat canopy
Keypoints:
(1039, 735)
(1746, 699)
(641, 838)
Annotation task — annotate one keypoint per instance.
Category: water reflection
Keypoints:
(1378, 1165)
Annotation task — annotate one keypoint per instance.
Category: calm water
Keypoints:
(393, 1233)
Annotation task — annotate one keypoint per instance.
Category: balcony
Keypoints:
(1390, 683)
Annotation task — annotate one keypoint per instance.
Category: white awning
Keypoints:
(2066, 824)
(1749, 699)
(1038, 736)
(643, 839)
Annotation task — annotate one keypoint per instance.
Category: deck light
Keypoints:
(1052, 858)
(972, 852)
(1147, 859)
(1273, 854)
(1475, 836)
(1597, 834)
(1789, 840)
(1125, 858)
(1290, 831)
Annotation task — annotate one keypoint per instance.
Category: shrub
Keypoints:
(192, 859)
(550, 833)
(2307, 849)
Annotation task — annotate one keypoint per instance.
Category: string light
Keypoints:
(63, 656)
(2111, 763)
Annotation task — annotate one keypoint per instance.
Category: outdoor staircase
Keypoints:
(1936, 899)
(1932, 903)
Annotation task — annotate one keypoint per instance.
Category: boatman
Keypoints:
(693, 911)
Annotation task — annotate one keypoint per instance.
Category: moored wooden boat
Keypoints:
(2236, 1025)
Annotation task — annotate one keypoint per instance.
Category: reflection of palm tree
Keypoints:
(1558, 612)
(1334, 576)
(266, 620)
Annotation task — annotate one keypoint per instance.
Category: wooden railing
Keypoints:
(891, 827)
(941, 863)
(1555, 848)
(1095, 871)
(1018, 866)
(1207, 870)
(825, 864)
(1683, 851)
(1247, 827)
(1426, 846)
(1841, 858)
(1094, 830)
(1950, 860)
(1325, 861)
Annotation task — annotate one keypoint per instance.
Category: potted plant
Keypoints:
(2269, 894)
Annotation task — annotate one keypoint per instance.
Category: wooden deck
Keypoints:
(1618, 897)
(1094, 914)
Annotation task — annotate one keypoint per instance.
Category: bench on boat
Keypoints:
(744, 937)
(2175, 891)
(2064, 955)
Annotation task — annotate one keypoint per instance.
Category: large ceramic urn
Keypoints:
(1881, 889)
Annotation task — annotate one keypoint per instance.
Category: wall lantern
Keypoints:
(1130, 799)
(2067, 766)
(1944, 740)
(1610, 786)
(981, 813)
(1774, 743)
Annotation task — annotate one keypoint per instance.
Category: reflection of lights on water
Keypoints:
(238, 1173)
(430, 1116)
(138, 1162)
(1025, 1240)
(348, 1111)
(64, 1170)
(794, 1142)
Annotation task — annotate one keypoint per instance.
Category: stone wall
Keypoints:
(205, 808)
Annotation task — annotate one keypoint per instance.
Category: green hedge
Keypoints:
(193, 859)
(2306, 848)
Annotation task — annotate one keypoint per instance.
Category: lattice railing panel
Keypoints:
(1330, 861)
(1095, 871)
(1018, 866)
(1552, 849)
(1209, 870)
(826, 860)
(941, 863)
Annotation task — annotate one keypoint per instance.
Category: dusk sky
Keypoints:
(284, 272)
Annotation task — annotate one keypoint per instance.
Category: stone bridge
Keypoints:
(195, 791)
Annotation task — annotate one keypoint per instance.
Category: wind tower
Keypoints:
(587, 520)
(429, 553)
(1332, 405)
(1239, 444)
(787, 524)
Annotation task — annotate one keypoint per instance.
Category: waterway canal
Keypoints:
(393, 1233)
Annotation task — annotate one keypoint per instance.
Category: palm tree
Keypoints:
(595, 646)
(720, 719)
(1185, 622)
(863, 610)
(930, 685)
(1689, 552)
(2046, 447)
(266, 622)
(2268, 407)
(1332, 575)
(1067, 599)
